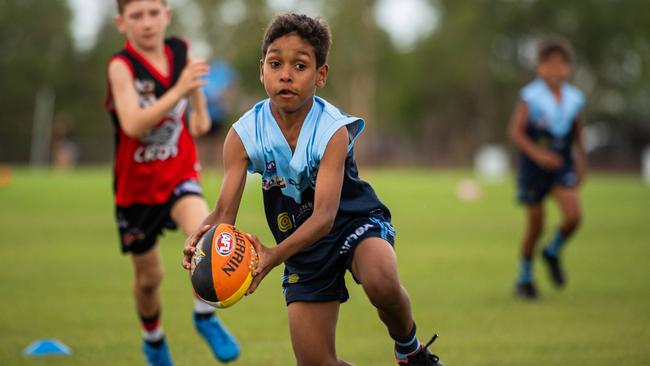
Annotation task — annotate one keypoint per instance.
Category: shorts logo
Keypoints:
(132, 236)
(224, 244)
(293, 278)
(352, 238)
(284, 222)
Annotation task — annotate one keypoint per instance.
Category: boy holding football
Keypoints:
(547, 129)
(156, 169)
(325, 220)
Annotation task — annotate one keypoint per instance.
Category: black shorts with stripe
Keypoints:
(140, 226)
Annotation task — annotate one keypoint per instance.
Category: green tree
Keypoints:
(36, 50)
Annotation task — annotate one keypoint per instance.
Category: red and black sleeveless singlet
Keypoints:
(148, 169)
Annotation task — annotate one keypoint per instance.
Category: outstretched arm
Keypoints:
(326, 204)
(137, 121)
(235, 162)
(545, 158)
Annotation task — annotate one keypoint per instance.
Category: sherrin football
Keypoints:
(221, 267)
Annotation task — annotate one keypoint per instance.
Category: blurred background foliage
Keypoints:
(432, 101)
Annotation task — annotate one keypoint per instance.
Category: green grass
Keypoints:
(61, 276)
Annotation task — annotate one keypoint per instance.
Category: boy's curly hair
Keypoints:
(313, 30)
(555, 46)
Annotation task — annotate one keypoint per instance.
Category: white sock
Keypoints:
(201, 307)
(153, 335)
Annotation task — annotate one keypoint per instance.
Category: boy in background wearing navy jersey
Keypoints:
(547, 129)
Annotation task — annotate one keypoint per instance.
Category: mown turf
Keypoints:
(61, 276)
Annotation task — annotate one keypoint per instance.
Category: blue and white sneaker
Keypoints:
(157, 355)
(224, 347)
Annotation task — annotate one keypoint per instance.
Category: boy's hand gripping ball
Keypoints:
(221, 269)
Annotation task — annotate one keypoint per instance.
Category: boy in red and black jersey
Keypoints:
(149, 165)
(152, 81)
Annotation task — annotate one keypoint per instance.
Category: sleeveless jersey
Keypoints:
(147, 169)
(551, 122)
(289, 179)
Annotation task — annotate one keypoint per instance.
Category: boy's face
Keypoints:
(144, 22)
(555, 69)
(289, 74)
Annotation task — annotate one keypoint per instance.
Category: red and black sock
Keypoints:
(152, 331)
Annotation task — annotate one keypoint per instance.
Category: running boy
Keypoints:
(547, 129)
(155, 174)
(325, 219)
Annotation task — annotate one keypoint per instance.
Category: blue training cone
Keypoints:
(47, 347)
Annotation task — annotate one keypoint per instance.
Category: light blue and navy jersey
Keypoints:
(551, 122)
(289, 178)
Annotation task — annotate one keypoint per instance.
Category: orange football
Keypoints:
(222, 265)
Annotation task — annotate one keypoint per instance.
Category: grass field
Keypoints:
(61, 276)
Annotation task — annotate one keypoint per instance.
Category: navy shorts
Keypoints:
(140, 225)
(534, 183)
(317, 274)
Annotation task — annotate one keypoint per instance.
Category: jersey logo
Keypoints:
(284, 222)
(275, 181)
(145, 89)
(161, 143)
(270, 178)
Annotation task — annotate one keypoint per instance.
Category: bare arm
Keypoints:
(580, 155)
(517, 131)
(326, 204)
(199, 119)
(137, 121)
(235, 161)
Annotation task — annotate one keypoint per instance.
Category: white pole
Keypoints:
(645, 164)
(42, 127)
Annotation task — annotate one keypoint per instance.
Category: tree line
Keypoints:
(434, 104)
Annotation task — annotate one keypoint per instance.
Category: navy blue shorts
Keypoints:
(534, 183)
(317, 274)
(141, 225)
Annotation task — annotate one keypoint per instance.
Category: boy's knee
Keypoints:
(572, 221)
(535, 232)
(384, 290)
(148, 281)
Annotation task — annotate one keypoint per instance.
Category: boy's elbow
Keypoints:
(511, 134)
(326, 222)
(194, 132)
(198, 132)
(514, 135)
(130, 129)
(329, 224)
(205, 128)
(199, 125)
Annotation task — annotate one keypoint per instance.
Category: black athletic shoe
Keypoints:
(526, 290)
(423, 357)
(554, 269)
